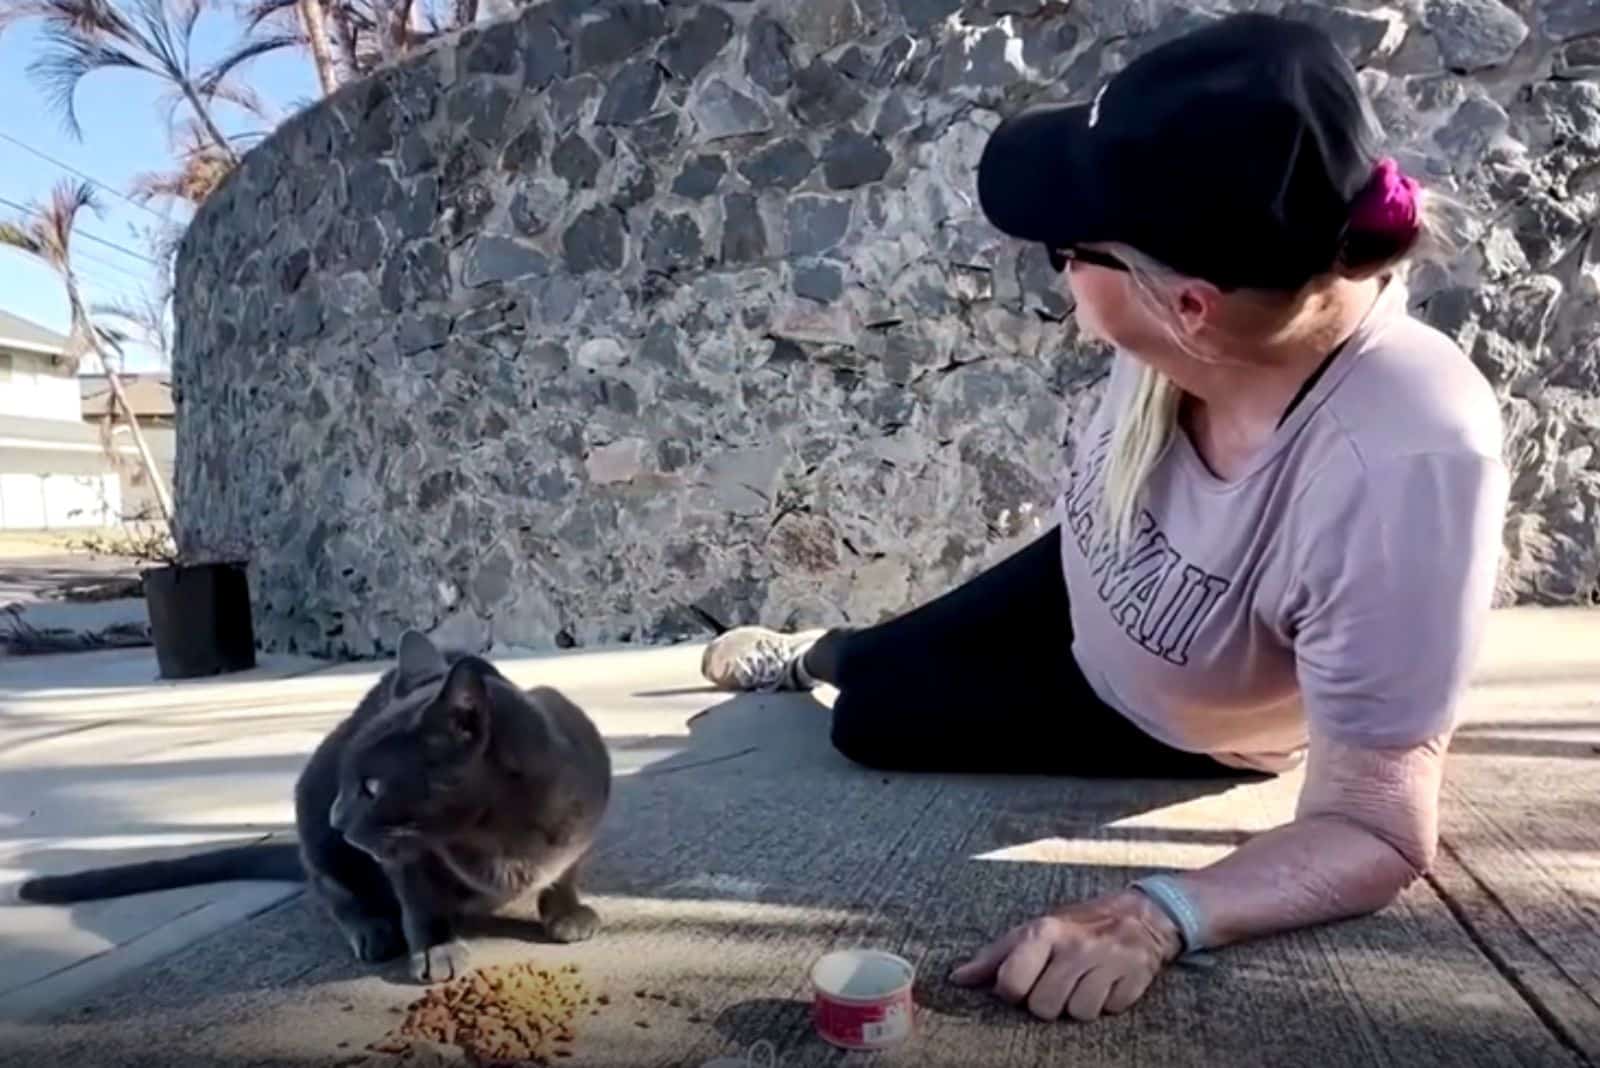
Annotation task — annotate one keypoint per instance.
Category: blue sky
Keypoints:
(124, 134)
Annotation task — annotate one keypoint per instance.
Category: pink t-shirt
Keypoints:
(1337, 587)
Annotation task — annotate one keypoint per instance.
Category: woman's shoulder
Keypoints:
(1412, 390)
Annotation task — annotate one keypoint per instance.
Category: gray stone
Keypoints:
(1013, 7)
(1363, 36)
(1476, 125)
(1474, 34)
(575, 160)
(416, 215)
(673, 242)
(700, 177)
(853, 159)
(816, 224)
(660, 348)
(743, 481)
(480, 107)
(568, 99)
(697, 42)
(820, 282)
(893, 60)
(854, 63)
(638, 187)
(420, 272)
(1547, 230)
(923, 14)
(500, 259)
(620, 461)
(1579, 59)
(292, 269)
(631, 95)
(544, 54)
(601, 354)
(559, 299)
(983, 62)
(626, 29)
(767, 59)
(656, 137)
(1566, 19)
(1564, 116)
(524, 152)
(894, 116)
(305, 316)
(373, 188)
(722, 111)
(744, 235)
(534, 205)
(823, 24)
(594, 241)
(490, 49)
(465, 209)
(781, 165)
(423, 331)
(824, 97)
(492, 582)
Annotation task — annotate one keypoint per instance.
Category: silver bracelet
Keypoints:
(1169, 896)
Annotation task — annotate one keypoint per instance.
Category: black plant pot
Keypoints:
(200, 619)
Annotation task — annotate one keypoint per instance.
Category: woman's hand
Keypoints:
(1096, 957)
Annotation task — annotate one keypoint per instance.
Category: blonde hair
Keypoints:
(1143, 426)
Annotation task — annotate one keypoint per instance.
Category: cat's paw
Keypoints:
(374, 940)
(439, 963)
(579, 924)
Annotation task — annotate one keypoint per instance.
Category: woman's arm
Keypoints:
(1366, 828)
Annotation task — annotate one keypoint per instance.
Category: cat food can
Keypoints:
(862, 998)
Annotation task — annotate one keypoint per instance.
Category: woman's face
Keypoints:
(1109, 309)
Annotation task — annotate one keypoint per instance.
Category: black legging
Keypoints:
(983, 679)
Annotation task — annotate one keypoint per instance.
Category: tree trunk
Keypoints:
(314, 22)
(204, 115)
(151, 470)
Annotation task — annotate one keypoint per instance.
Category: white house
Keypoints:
(54, 471)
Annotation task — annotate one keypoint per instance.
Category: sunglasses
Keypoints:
(1060, 257)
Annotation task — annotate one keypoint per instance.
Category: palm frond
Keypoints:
(258, 12)
(21, 238)
(68, 58)
(213, 81)
(18, 11)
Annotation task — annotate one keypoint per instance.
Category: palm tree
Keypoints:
(46, 232)
(152, 36)
(368, 33)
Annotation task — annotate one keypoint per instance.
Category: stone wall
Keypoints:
(618, 318)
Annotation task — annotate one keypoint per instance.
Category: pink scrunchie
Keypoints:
(1388, 204)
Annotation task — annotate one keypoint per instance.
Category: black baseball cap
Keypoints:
(1231, 153)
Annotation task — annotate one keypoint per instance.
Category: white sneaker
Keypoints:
(755, 659)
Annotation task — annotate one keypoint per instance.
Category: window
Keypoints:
(6, 361)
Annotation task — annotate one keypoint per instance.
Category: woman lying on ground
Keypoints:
(1279, 536)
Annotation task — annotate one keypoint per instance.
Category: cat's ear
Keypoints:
(420, 662)
(461, 711)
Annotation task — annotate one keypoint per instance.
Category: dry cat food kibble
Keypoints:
(504, 1013)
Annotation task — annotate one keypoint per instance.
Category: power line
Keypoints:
(73, 170)
(84, 234)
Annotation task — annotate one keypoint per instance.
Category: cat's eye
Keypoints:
(371, 787)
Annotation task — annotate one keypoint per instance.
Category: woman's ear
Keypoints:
(1197, 306)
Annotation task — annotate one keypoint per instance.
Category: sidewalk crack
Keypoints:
(1558, 1029)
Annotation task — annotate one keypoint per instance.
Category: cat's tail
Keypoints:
(274, 861)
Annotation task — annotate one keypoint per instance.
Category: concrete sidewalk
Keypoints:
(740, 847)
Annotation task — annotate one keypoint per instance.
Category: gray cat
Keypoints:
(448, 792)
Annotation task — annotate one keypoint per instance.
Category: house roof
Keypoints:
(19, 333)
(150, 395)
